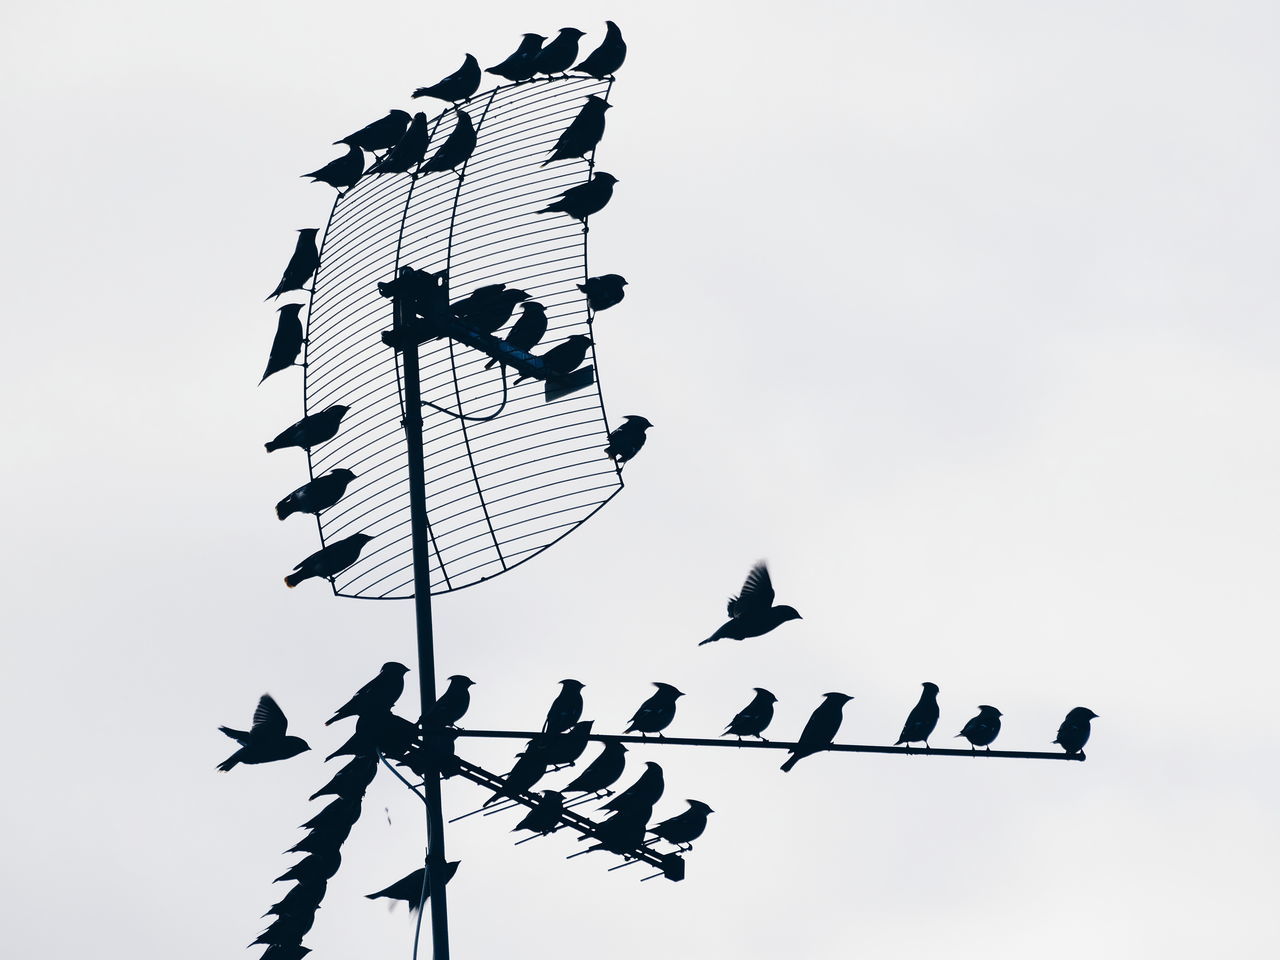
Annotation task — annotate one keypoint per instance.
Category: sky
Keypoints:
(957, 314)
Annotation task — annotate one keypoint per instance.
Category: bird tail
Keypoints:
(272, 446)
(711, 639)
(239, 736)
(286, 507)
(791, 762)
(230, 762)
(293, 579)
(491, 364)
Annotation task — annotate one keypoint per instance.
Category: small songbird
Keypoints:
(302, 265)
(382, 134)
(457, 147)
(623, 833)
(529, 768)
(286, 931)
(265, 740)
(377, 696)
(288, 340)
(558, 55)
(545, 817)
(625, 441)
(645, 792)
(752, 719)
(409, 149)
(604, 291)
(602, 772)
(565, 357)
(304, 898)
(376, 733)
(528, 330)
(487, 308)
(323, 838)
(413, 889)
(585, 199)
(351, 781)
(922, 718)
(605, 59)
(311, 430)
(451, 705)
(320, 494)
(343, 173)
(329, 561)
(1074, 732)
(558, 750)
(566, 708)
(686, 827)
(459, 85)
(751, 612)
(656, 713)
(344, 811)
(983, 728)
(312, 869)
(583, 132)
(522, 64)
(820, 729)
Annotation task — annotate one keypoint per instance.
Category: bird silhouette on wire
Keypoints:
(645, 792)
(351, 781)
(450, 707)
(605, 59)
(302, 265)
(686, 827)
(530, 327)
(287, 931)
(922, 718)
(1074, 732)
(583, 132)
(522, 64)
(558, 55)
(752, 719)
(602, 772)
(265, 741)
(585, 199)
(566, 708)
(656, 713)
(341, 812)
(329, 561)
(311, 430)
(304, 898)
(623, 833)
(485, 309)
(564, 357)
(751, 612)
(558, 750)
(459, 85)
(343, 173)
(287, 343)
(376, 733)
(413, 889)
(409, 149)
(820, 729)
(982, 729)
(545, 817)
(313, 868)
(382, 134)
(457, 147)
(529, 768)
(318, 495)
(604, 291)
(626, 440)
(379, 695)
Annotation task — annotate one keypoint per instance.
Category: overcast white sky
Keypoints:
(960, 314)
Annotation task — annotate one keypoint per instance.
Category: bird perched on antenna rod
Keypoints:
(751, 612)
(625, 441)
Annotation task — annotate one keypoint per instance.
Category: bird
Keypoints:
(451, 705)
(377, 696)
(329, 561)
(645, 792)
(314, 868)
(529, 328)
(585, 199)
(351, 781)
(377, 733)
(487, 308)
(288, 340)
(285, 951)
(382, 134)
(625, 441)
(457, 147)
(409, 149)
(302, 265)
(583, 132)
(686, 827)
(752, 719)
(287, 931)
(623, 833)
(557, 750)
(311, 430)
(318, 495)
(459, 85)
(344, 811)
(983, 728)
(604, 291)
(304, 898)
(602, 772)
(656, 713)
(343, 173)
(566, 708)
(565, 357)
(545, 817)
(325, 838)
(529, 768)
(522, 64)
(751, 612)
(1074, 732)
(819, 730)
(558, 55)
(922, 718)
(413, 889)
(605, 59)
(265, 740)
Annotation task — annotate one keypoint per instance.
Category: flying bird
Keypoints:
(302, 265)
(343, 173)
(656, 713)
(605, 59)
(583, 132)
(529, 328)
(457, 147)
(459, 85)
(922, 718)
(529, 769)
(820, 729)
(320, 494)
(564, 357)
(377, 696)
(265, 740)
(545, 817)
(686, 827)
(288, 340)
(311, 430)
(522, 64)
(604, 291)
(1074, 732)
(413, 889)
(751, 612)
(983, 728)
(451, 705)
(566, 708)
(602, 772)
(558, 55)
(382, 134)
(644, 793)
(329, 561)
(585, 199)
(625, 441)
(351, 781)
(752, 719)
(409, 149)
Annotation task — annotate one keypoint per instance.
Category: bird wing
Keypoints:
(756, 595)
(269, 719)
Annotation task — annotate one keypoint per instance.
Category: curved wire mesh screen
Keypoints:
(514, 473)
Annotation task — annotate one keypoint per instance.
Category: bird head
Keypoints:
(462, 681)
(838, 697)
(788, 613)
(606, 177)
(535, 36)
(571, 32)
(532, 306)
(930, 687)
(470, 60)
(650, 765)
(309, 231)
(640, 422)
(344, 473)
(583, 726)
(699, 805)
(393, 667)
(573, 684)
(579, 338)
(990, 710)
(765, 694)
(514, 295)
(1082, 713)
(338, 410)
(668, 689)
(362, 539)
(296, 745)
(549, 794)
(399, 114)
(600, 103)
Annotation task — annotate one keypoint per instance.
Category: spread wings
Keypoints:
(269, 719)
(756, 596)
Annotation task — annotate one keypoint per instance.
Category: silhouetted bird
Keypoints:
(378, 733)
(287, 931)
(1074, 732)
(411, 889)
(459, 85)
(751, 612)
(686, 827)
(625, 441)
(529, 769)
(585, 199)
(318, 866)
(329, 561)
(377, 696)
(351, 780)
(983, 728)
(583, 132)
(265, 740)
(559, 750)
(604, 291)
(564, 357)
(487, 308)
(310, 430)
(623, 833)
(752, 719)
(922, 718)
(605, 59)
(545, 817)
(325, 838)
(304, 898)
(285, 951)
(522, 64)
(409, 149)
(344, 811)
(320, 494)
(343, 173)
(381, 134)
(528, 329)
(288, 340)
(566, 708)
(656, 713)
(602, 772)
(558, 55)
(645, 792)
(457, 147)
(303, 263)
(451, 705)
(820, 729)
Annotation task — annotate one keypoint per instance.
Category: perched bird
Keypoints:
(304, 898)
(409, 149)
(558, 55)
(329, 561)
(323, 838)
(316, 867)
(522, 64)
(565, 357)
(529, 328)
(605, 59)
(1074, 732)
(625, 441)
(529, 769)
(413, 889)
(287, 931)
(288, 340)
(343, 173)
(686, 827)
(451, 705)
(585, 199)
(656, 713)
(265, 740)
(751, 612)
(545, 817)
(604, 291)
(644, 793)
(302, 265)
(487, 308)
(558, 750)
(320, 494)
(351, 780)
(459, 85)
(381, 134)
(602, 772)
(820, 729)
(457, 147)
(752, 719)
(376, 733)
(377, 696)
(285, 951)
(311, 430)
(983, 728)
(566, 708)
(583, 132)
(342, 812)
(922, 718)
(623, 833)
